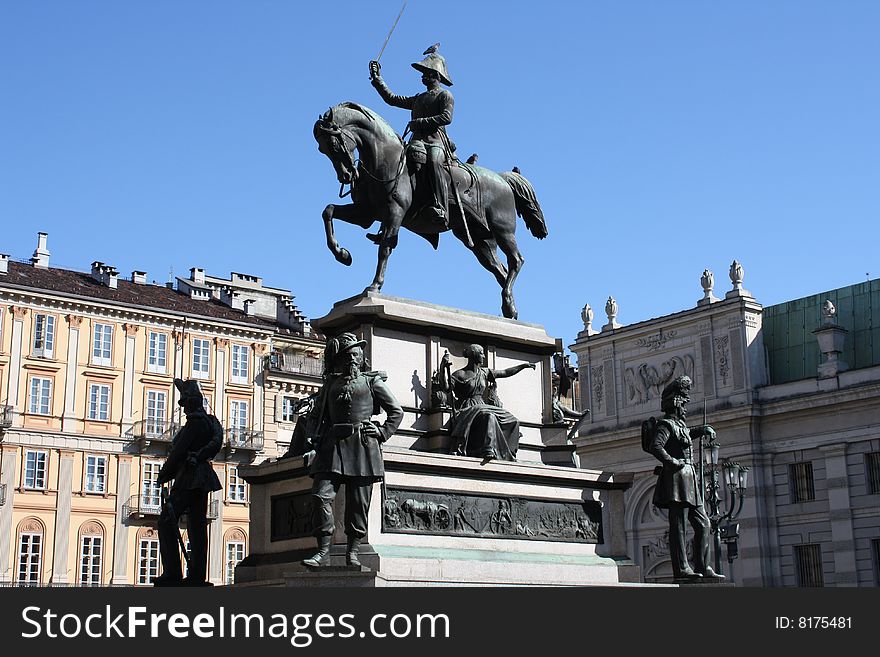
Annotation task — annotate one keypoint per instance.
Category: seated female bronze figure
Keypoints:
(480, 427)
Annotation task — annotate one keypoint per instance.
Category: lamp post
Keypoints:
(723, 509)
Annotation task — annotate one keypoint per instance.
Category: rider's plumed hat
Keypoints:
(434, 61)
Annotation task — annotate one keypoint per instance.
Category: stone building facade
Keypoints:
(793, 391)
(88, 410)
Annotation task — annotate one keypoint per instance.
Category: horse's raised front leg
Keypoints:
(389, 241)
(352, 214)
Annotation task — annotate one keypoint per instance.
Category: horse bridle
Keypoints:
(339, 148)
(338, 135)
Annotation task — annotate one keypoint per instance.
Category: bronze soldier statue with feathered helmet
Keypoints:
(679, 489)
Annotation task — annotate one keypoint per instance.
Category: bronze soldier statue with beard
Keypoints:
(679, 489)
(345, 448)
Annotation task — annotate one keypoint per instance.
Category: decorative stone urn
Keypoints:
(707, 281)
(611, 310)
(587, 317)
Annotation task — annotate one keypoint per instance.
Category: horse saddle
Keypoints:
(463, 184)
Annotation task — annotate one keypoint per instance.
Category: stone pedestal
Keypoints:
(407, 339)
(831, 338)
(715, 583)
(447, 520)
(441, 519)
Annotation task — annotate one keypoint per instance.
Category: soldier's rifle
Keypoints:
(174, 516)
(702, 436)
(315, 439)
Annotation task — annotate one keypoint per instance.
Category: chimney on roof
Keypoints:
(105, 274)
(197, 275)
(4, 263)
(139, 277)
(41, 255)
(250, 307)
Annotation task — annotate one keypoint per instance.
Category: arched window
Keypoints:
(91, 553)
(147, 556)
(30, 552)
(235, 543)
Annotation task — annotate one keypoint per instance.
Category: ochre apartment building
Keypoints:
(88, 410)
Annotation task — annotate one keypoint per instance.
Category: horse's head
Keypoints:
(338, 144)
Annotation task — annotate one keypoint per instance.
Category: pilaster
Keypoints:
(215, 532)
(15, 354)
(840, 515)
(68, 418)
(60, 552)
(8, 471)
(120, 533)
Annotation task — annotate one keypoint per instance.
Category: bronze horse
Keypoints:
(382, 189)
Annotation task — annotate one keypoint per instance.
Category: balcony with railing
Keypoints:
(239, 439)
(149, 506)
(142, 506)
(5, 416)
(151, 430)
(290, 363)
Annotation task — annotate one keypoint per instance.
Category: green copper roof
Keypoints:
(792, 349)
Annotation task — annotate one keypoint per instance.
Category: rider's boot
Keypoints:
(438, 215)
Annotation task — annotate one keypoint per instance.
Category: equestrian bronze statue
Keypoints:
(421, 185)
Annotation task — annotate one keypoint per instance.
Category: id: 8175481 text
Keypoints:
(813, 622)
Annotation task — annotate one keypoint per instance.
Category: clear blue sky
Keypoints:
(662, 138)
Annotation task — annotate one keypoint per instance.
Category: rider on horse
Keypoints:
(431, 113)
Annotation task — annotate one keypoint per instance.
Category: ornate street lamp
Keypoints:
(727, 508)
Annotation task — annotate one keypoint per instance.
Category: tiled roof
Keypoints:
(68, 282)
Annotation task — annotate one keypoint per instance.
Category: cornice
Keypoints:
(131, 315)
(689, 317)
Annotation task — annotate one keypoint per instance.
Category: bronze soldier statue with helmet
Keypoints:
(345, 447)
(189, 465)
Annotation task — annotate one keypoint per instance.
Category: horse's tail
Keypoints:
(527, 205)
